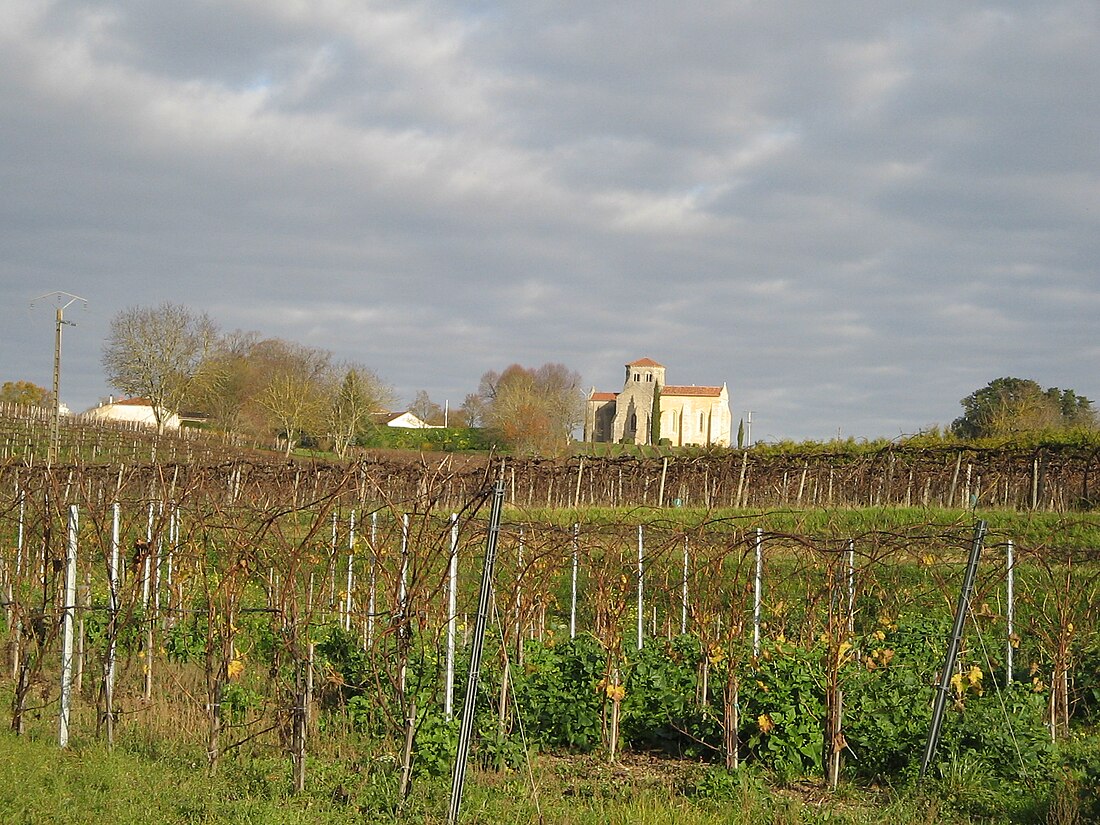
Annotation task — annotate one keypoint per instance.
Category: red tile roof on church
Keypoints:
(707, 392)
(603, 396)
(644, 362)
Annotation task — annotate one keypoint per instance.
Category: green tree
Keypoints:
(25, 392)
(1015, 405)
(655, 416)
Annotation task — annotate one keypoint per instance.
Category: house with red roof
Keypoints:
(686, 414)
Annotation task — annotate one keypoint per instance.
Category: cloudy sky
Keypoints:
(854, 213)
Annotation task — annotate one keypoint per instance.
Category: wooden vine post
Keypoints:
(838, 629)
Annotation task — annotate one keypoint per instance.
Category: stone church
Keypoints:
(687, 414)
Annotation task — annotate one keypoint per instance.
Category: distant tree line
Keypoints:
(242, 382)
(248, 384)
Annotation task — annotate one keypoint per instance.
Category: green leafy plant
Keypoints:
(783, 705)
(557, 692)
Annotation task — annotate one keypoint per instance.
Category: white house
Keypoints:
(405, 420)
(131, 411)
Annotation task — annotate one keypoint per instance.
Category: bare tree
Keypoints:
(475, 409)
(534, 410)
(231, 378)
(425, 409)
(359, 394)
(156, 353)
(296, 395)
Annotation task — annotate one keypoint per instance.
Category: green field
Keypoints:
(251, 594)
(165, 782)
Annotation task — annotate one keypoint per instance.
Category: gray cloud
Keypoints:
(854, 213)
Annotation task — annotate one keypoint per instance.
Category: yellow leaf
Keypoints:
(765, 723)
(957, 684)
(235, 668)
(715, 654)
(975, 679)
(842, 651)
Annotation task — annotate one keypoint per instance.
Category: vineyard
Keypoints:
(1053, 477)
(285, 609)
(739, 613)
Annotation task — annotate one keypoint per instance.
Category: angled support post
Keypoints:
(954, 642)
(477, 644)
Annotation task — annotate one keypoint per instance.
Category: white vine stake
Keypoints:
(67, 611)
(757, 594)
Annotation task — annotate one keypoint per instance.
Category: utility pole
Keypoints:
(64, 301)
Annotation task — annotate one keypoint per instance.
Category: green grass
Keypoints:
(166, 783)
